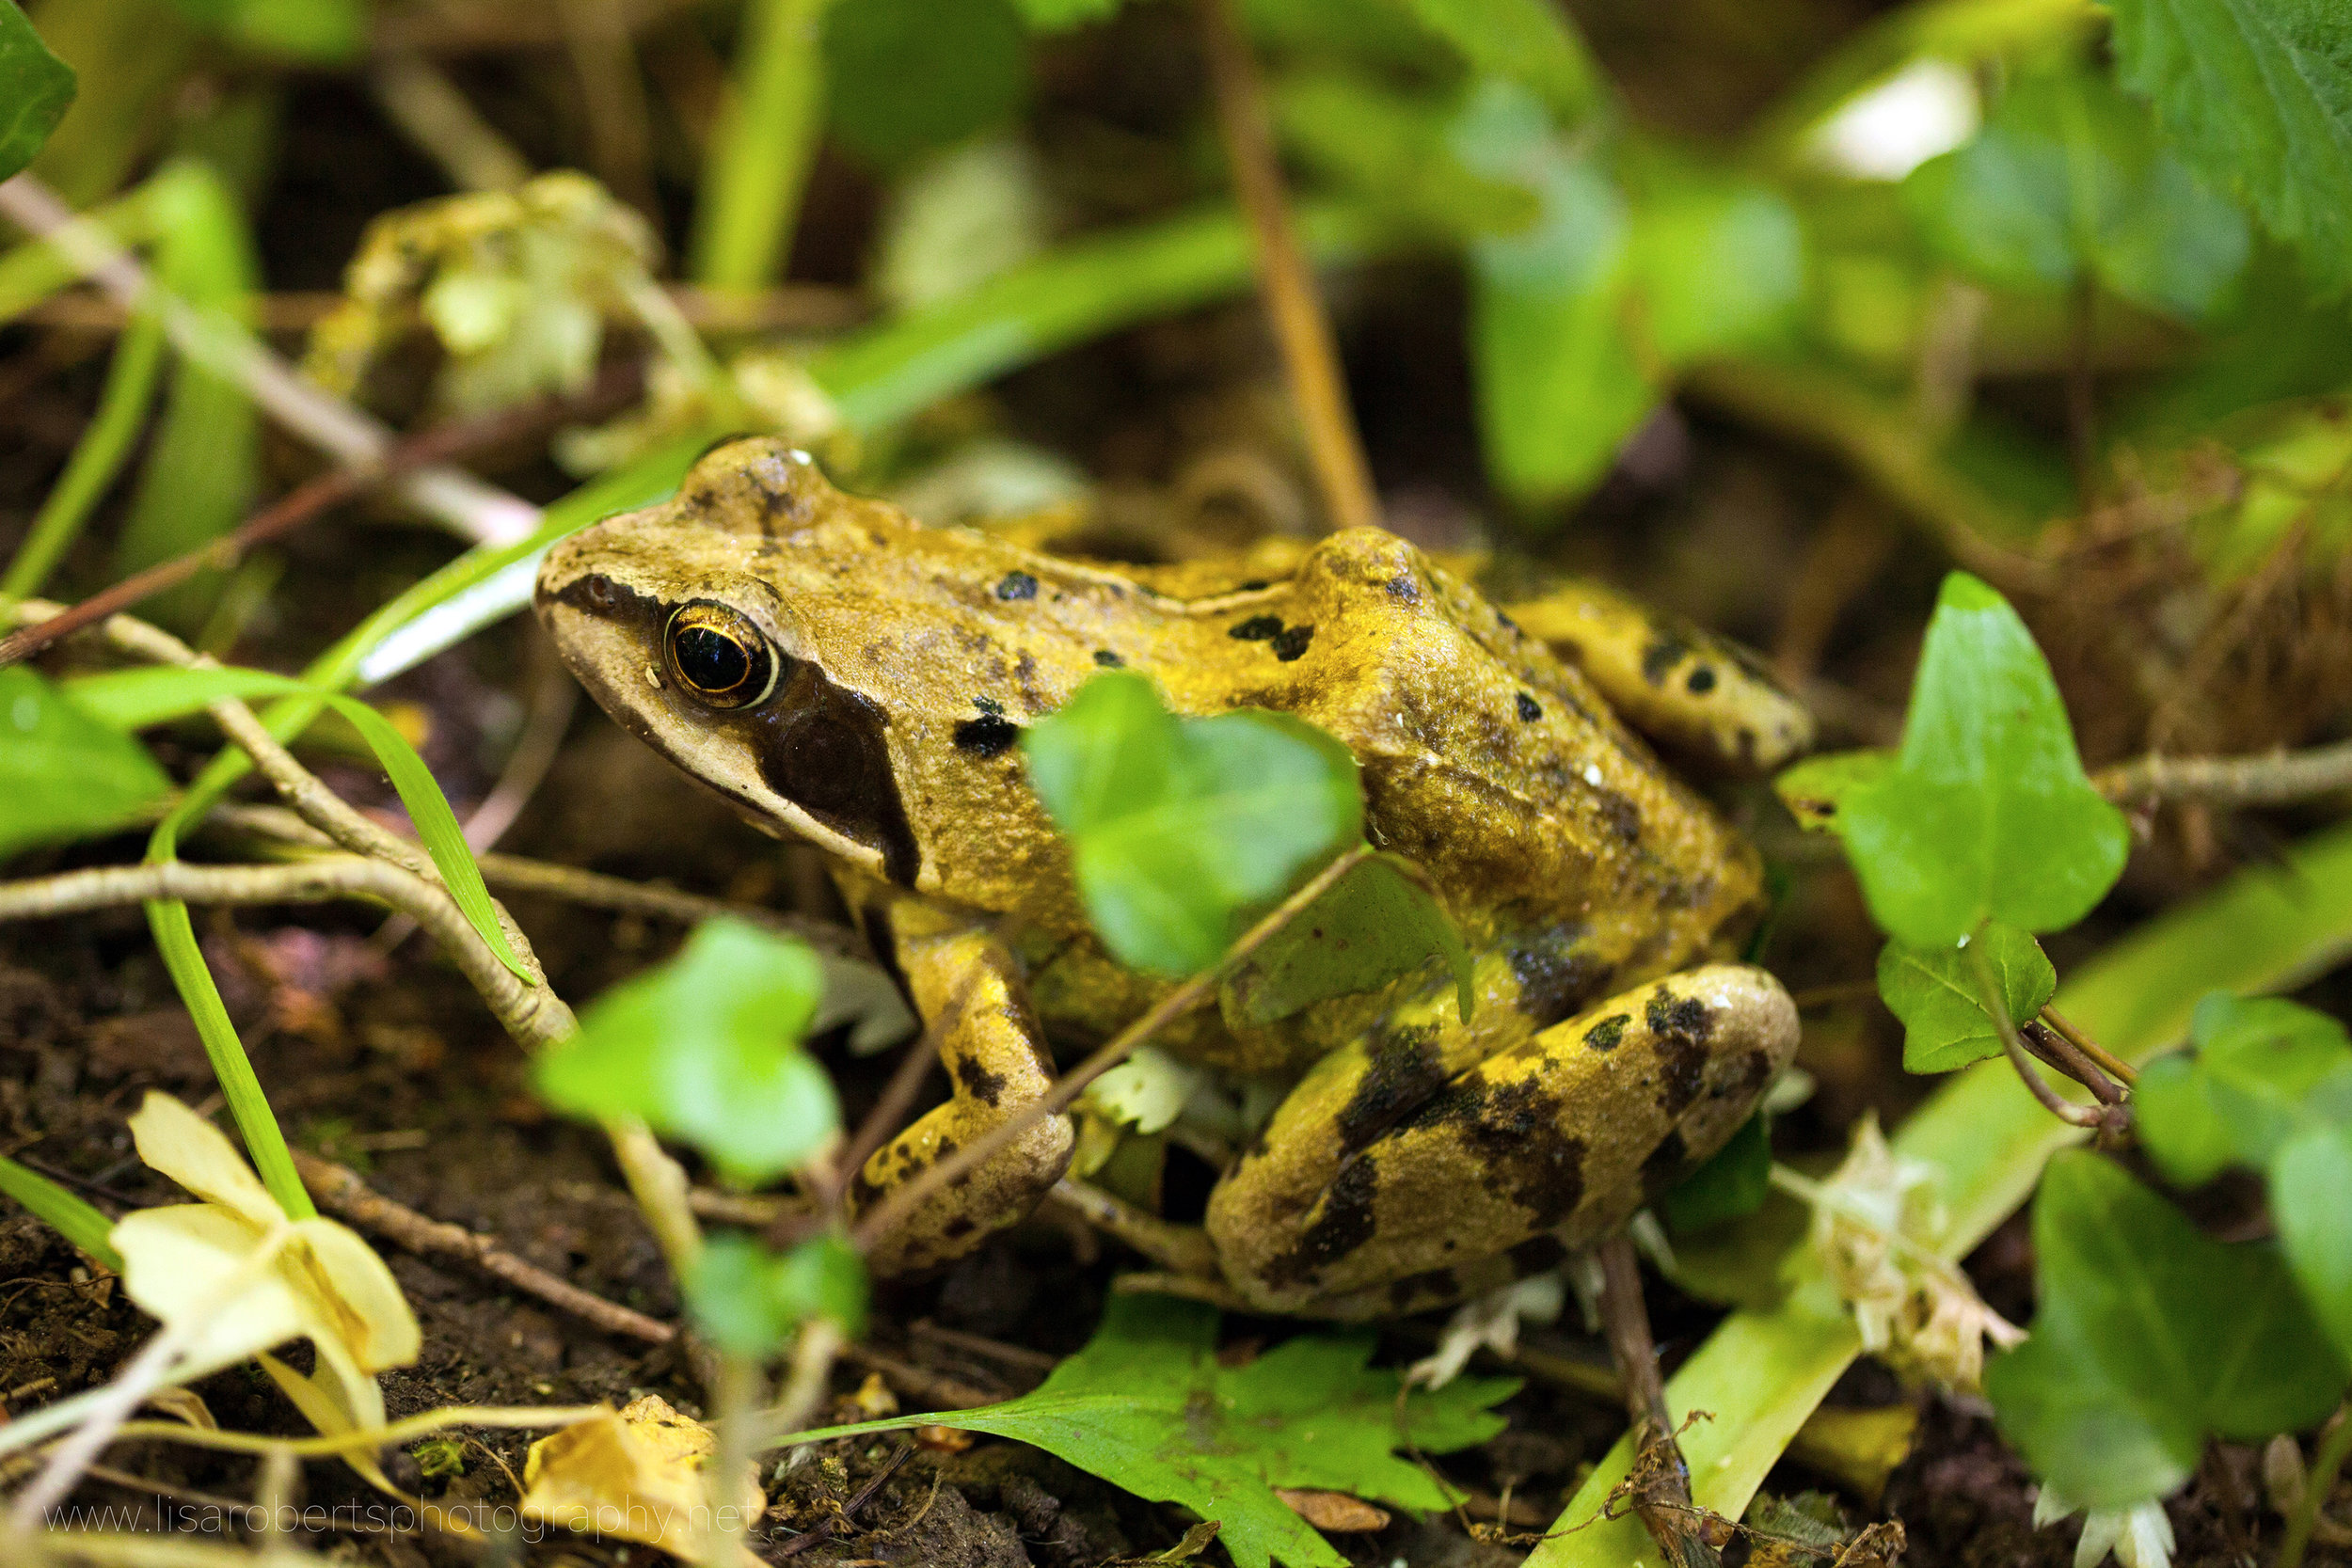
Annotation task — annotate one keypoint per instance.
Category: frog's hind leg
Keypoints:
(988, 1042)
(1681, 686)
(1550, 1142)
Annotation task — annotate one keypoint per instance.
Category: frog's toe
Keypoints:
(1563, 1136)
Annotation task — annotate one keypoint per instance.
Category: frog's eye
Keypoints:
(719, 656)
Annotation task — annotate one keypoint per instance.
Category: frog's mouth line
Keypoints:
(819, 747)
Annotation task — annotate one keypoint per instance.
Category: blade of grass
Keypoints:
(766, 140)
(97, 459)
(64, 1212)
(1761, 1374)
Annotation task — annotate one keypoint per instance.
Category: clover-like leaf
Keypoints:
(1934, 991)
(1987, 813)
(706, 1048)
(1178, 827)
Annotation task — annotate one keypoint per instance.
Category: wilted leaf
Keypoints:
(2259, 94)
(633, 1475)
(706, 1047)
(1378, 922)
(1934, 991)
(1179, 827)
(1146, 1406)
(2149, 1336)
(1986, 814)
(36, 89)
(63, 774)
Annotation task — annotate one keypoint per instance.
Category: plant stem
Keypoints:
(1995, 1004)
(1662, 1483)
(902, 1200)
(438, 120)
(2281, 778)
(2109, 1063)
(2319, 1481)
(741, 1388)
(74, 1218)
(1301, 325)
(98, 457)
(767, 139)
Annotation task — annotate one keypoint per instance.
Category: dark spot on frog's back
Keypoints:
(1017, 585)
(1258, 628)
(1404, 1071)
(1347, 1223)
(977, 1080)
(1622, 815)
(1108, 659)
(1700, 681)
(1514, 1131)
(1529, 709)
(1291, 643)
(1660, 656)
(1403, 589)
(989, 735)
(1556, 978)
(1679, 1028)
(1605, 1034)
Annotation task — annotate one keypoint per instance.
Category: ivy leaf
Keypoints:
(2149, 1336)
(749, 1300)
(1379, 920)
(2258, 94)
(706, 1047)
(2262, 1070)
(1934, 991)
(63, 774)
(1178, 827)
(1816, 787)
(1987, 813)
(2309, 1179)
(1146, 1406)
(36, 89)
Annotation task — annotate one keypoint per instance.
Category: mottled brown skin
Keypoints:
(908, 659)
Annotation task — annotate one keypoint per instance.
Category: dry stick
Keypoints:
(901, 1202)
(1300, 322)
(308, 501)
(479, 511)
(339, 1189)
(1661, 1496)
(2279, 779)
(2062, 1053)
(2113, 1065)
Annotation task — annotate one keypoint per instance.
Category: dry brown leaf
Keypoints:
(1333, 1510)
(631, 1475)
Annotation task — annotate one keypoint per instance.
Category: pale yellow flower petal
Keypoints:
(182, 1262)
(357, 1295)
(191, 1151)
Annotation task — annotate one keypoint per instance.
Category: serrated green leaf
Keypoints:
(1987, 813)
(706, 1048)
(2262, 1071)
(2149, 1336)
(133, 699)
(2309, 1179)
(1814, 788)
(64, 775)
(1179, 827)
(1379, 920)
(1147, 1407)
(749, 1300)
(904, 76)
(36, 89)
(1934, 991)
(2258, 94)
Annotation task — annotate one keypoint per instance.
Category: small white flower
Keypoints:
(1492, 1321)
(2140, 1536)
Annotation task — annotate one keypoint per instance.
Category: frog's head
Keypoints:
(702, 626)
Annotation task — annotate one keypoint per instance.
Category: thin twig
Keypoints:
(901, 1202)
(340, 1190)
(1301, 325)
(479, 511)
(806, 1539)
(316, 496)
(2114, 1065)
(1661, 1478)
(2063, 1055)
(2281, 778)
(1996, 1006)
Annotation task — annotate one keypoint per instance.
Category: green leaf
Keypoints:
(70, 1216)
(2262, 1072)
(1934, 991)
(706, 1048)
(2067, 181)
(132, 699)
(904, 76)
(749, 1300)
(1179, 827)
(1987, 813)
(2258, 94)
(1394, 148)
(2308, 1180)
(1721, 268)
(63, 774)
(1814, 788)
(323, 31)
(1146, 1406)
(1379, 920)
(1530, 42)
(2149, 1337)
(1559, 387)
(1733, 1183)
(36, 89)
(1056, 16)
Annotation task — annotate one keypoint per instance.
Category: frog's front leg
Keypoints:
(1338, 1213)
(968, 987)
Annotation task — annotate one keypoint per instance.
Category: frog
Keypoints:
(843, 675)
